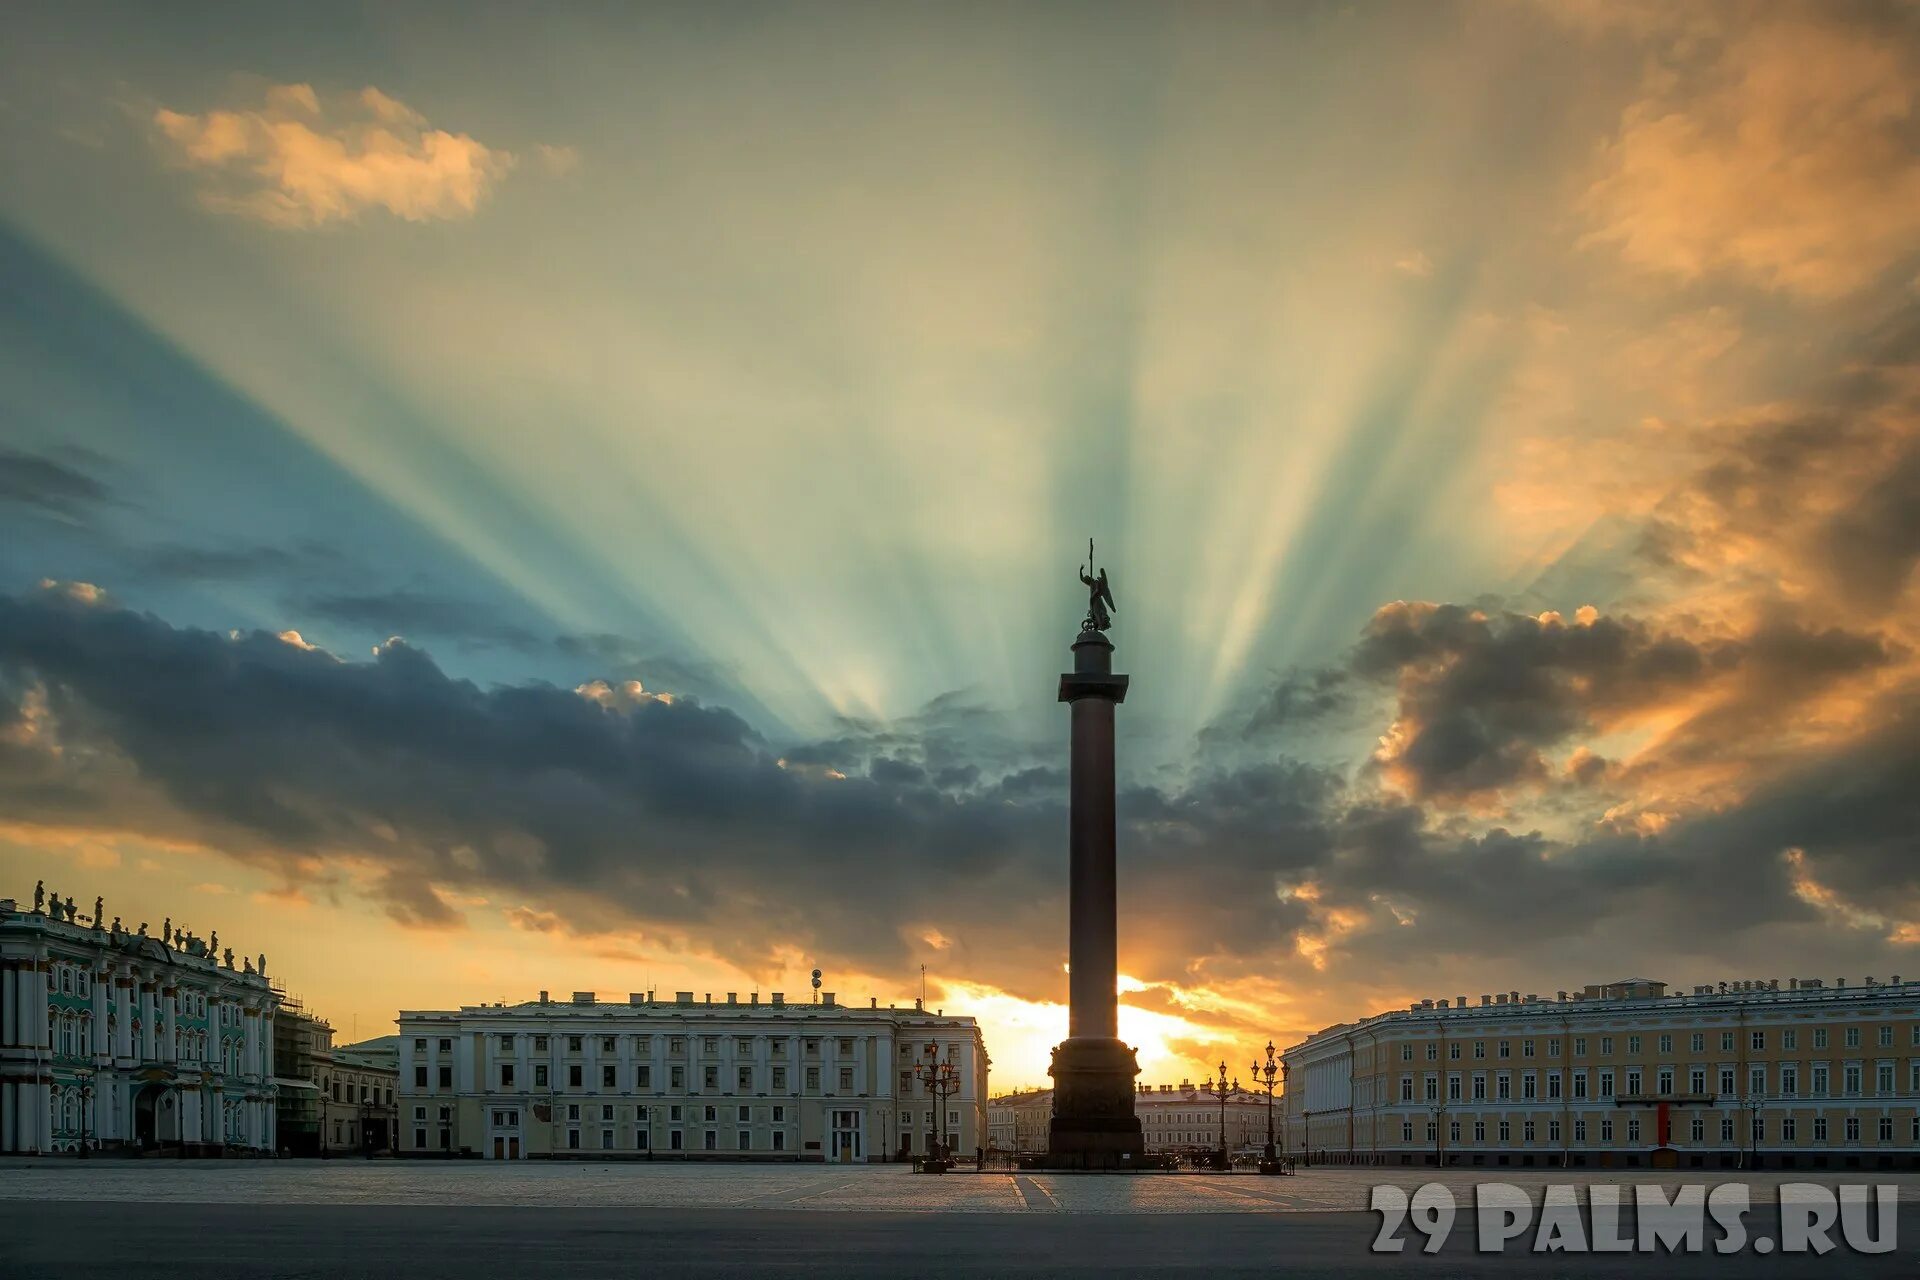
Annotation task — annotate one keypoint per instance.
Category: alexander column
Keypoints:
(1094, 1126)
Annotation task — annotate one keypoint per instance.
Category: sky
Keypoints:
(495, 501)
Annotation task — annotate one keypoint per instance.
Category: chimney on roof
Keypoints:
(733, 997)
(1485, 998)
(779, 999)
(1460, 1002)
(826, 998)
(873, 1002)
(543, 997)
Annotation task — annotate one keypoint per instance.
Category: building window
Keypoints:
(1853, 1128)
(506, 1075)
(1665, 1080)
(573, 1075)
(846, 1079)
(746, 1079)
(1789, 1039)
(813, 1079)
(1406, 1052)
(446, 1046)
(1526, 1048)
(1883, 1078)
(1505, 1049)
(446, 1077)
(1726, 1129)
(1666, 1044)
(606, 1044)
(1406, 1131)
(1819, 1037)
(779, 1115)
(1697, 1080)
(539, 1075)
(1579, 1130)
(779, 1079)
(1787, 1129)
(419, 1077)
(607, 1077)
(1633, 1128)
(712, 1140)
(1479, 1130)
(1698, 1042)
(1886, 1128)
(1852, 1078)
(506, 1044)
(1506, 1131)
(573, 1139)
(1853, 1037)
(1699, 1129)
(419, 1139)
(675, 1140)
(1579, 1046)
(640, 1140)
(606, 1113)
(1819, 1128)
(779, 1140)
(645, 1080)
(606, 1139)
(710, 1078)
(1479, 1048)
(1726, 1079)
(573, 1111)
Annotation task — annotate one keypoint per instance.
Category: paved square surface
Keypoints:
(347, 1218)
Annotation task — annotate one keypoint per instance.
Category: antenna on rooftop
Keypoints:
(816, 986)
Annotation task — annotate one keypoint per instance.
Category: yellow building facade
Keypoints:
(1796, 1074)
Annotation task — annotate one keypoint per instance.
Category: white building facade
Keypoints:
(111, 1039)
(739, 1079)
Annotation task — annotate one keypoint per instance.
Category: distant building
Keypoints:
(114, 1039)
(1186, 1118)
(686, 1079)
(1751, 1073)
(1019, 1122)
(359, 1106)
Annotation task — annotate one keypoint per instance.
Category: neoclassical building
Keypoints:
(1175, 1119)
(1759, 1073)
(738, 1079)
(111, 1038)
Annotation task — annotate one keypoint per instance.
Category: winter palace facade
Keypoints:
(114, 1039)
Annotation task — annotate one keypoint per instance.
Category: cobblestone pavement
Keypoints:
(819, 1188)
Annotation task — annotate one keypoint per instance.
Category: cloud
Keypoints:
(558, 159)
(1779, 150)
(49, 484)
(414, 612)
(296, 161)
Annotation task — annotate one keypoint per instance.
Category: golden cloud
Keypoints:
(295, 161)
(1784, 156)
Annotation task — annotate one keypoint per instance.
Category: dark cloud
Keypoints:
(186, 563)
(413, 612)
(639, 813)
(1483, 696)
(54, 485)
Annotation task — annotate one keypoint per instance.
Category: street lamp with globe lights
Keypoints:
(1267, 1075)
(942, 1081)
(1223, 1091)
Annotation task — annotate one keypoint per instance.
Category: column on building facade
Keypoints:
(123, 988)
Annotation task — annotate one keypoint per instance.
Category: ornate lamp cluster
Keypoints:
(941, 1079)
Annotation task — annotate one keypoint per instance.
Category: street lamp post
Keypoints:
(1223, 1091)
(942, 1080)
(1269, 1159)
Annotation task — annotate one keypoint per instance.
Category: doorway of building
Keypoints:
(845, 1136)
